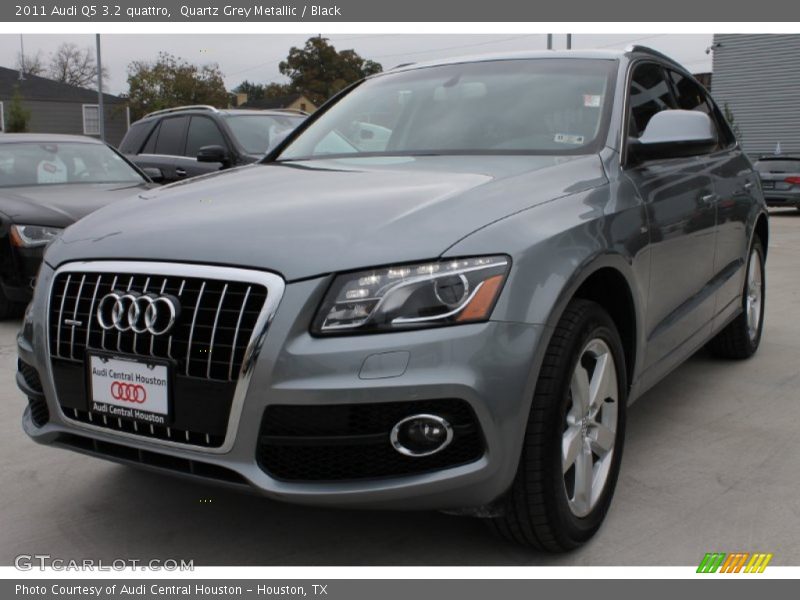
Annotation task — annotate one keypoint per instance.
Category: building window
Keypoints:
(91, 119)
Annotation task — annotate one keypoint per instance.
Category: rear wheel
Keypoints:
(741, 338)
(573, 443)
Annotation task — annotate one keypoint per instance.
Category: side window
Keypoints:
(132, 142)
(172, 136)
(150, 146)
(692, 96)
(650, 93)
(203, 132)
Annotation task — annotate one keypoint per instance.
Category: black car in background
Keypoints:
(48, 182)
(780, 179)
(187, 141)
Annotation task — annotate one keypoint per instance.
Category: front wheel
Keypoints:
(573, 443)
(741, 338)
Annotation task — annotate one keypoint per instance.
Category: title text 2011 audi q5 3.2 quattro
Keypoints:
(440, 292)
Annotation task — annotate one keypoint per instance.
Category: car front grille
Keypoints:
(205, 348)
(147, 458)
(208, 340)
(351, 441)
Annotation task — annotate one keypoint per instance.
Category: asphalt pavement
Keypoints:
(711, 463)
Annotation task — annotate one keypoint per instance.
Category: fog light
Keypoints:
(421, 435)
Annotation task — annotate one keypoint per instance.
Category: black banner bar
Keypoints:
(183, 11)
(729, 587)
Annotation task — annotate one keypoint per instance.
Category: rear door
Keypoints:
(164, 146)
(678, 194)
(735, 181)
(203, 131)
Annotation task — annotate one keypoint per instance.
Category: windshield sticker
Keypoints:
(592, 100)
(566, 138)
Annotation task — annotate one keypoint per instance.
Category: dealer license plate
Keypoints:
(129, 389)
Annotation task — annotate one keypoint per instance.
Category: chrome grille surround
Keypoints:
(274, 285)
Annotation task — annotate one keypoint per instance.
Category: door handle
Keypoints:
(748, 186)
(180, 172)
(708, 198)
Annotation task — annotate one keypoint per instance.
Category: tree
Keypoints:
(171, 81)
(319, 71)
(18, 115)
(30, 64)
(254, 91)
(276, 90)
(260, 91)
(75, 66)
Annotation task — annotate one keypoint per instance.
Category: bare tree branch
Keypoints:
(30, 64)
(75, 66)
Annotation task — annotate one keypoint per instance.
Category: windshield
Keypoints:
(257, 134)
(534, 106)
(29, 163)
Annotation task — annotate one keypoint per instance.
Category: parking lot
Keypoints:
(711, 463)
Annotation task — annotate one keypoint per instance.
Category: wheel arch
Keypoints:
(761, 230)
(608, 280)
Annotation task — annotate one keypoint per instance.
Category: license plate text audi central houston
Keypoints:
(440, 292)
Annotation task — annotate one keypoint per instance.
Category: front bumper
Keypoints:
(490, 366)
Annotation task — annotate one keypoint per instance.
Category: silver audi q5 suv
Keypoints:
(441, 292)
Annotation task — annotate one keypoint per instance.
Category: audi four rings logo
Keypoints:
(140, 313)
(128, 392)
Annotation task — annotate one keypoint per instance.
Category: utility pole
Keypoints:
(569, 41)
(549, 41)
(21, 59)
(100, 115)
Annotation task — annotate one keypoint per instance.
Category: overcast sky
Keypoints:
(256, 57)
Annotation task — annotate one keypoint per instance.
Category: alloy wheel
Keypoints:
(591, 427)
(754, 295)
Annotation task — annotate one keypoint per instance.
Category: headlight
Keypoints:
(30, 236)
(462, 290)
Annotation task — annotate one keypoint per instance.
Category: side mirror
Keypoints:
(674, 134)
(214, 154)
(154, 173)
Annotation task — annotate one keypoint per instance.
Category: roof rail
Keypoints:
(288, 110)
(648, 50)
(165, 111)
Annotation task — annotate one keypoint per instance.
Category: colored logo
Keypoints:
(735, 562)
(128, 392)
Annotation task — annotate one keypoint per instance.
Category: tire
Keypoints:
(540, 510)
(739, 339)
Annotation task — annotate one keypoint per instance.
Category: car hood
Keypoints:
(61, 205)
(302, 219)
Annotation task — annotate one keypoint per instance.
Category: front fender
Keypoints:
(555, 247)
